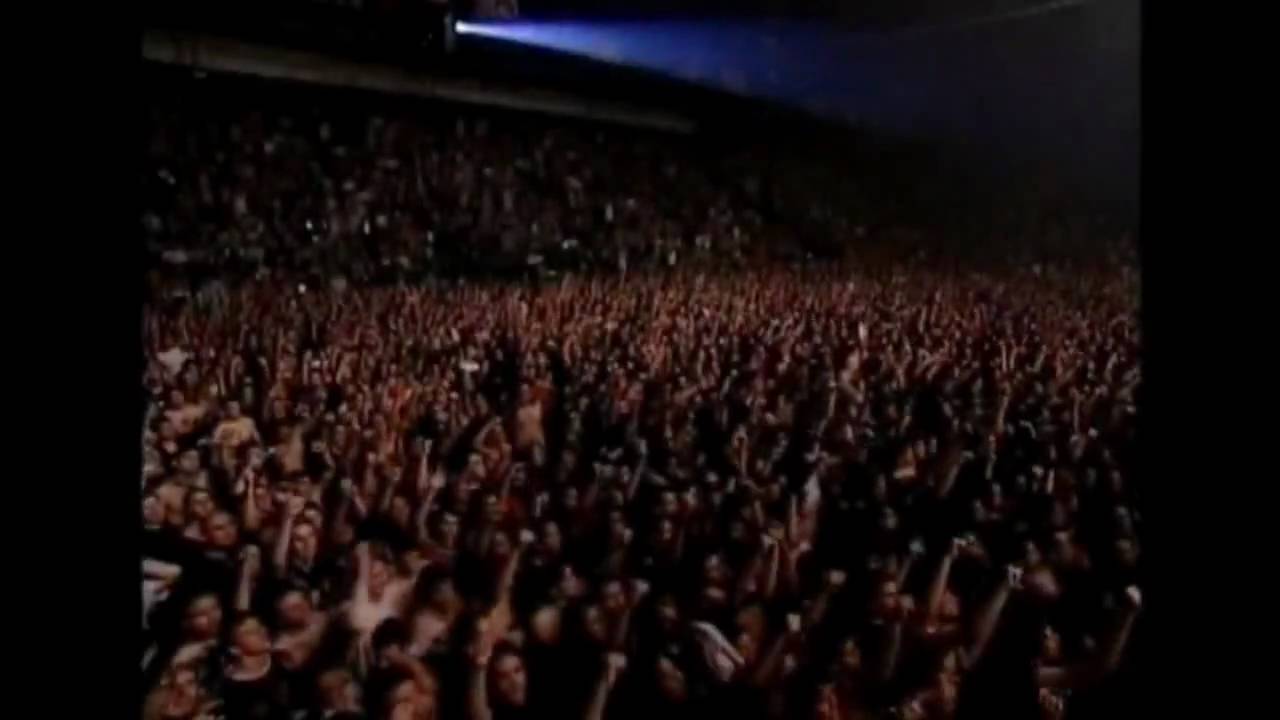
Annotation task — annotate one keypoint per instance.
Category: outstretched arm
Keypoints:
(985, 623)
(614, 664)
(478, 691)
(938, 588)
(1081, 673)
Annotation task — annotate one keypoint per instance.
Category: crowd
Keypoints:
(305, 184)
(899, 489)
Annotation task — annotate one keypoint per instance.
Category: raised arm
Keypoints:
(477, 689)
(250, 513)
(1068, 676)
(984, 625)
(767, 672)
(614, 664)
(938, 587)
(280, 554)
(250, 563)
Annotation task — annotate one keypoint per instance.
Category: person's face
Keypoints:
(220, 531)
(410, 701)
(671, 682)
(379, 575)
(826, 706)
(551, 540)
(569, 498)
(339, 690)
(850, 656)
(492, 509)
(668, 612)
(613, 598)
(617, 529)
(294, 610)
(304, 542)
(204, 618)
(233, 410)
(189, 462)
(978, 512)
(886, 600)
(401, 511)
(1031, 556)
(594, 622)
(666, 531)
(888, 520)
(510, 681)
(200, 505)
(670, 504)
(263, 498)
(176, 400)
(251, 638)
(714, 570)
(570, 586)
(152, 510)
(167, 430)
(1050, 645)
(449, 530)
(502, 547)
(1126, 552)
(545, 625)
(444, 596)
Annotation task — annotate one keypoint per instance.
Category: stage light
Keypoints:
(982, 80)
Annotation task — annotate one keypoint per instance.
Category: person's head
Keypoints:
(510, 684)
(569, 498)
(220, 530)
(189, 462)
(249, 638)
(492, 508)
(715, 571)
(550, 539)
(339, 690)
(668, 504)
(437, 590)
(1031, 555)
(544, 625)
(667, 610)
(475, 465)
(850, 656)
(391, 635)
(1126, 552)
(449, 529)
(410, 700)
(401, 511)
(595, 624)
(203, 619)
(233, 410)
(887, 520)
(671, 680)
(294, 610)
(613, 597)
(199, 505)
(153, 512)
(886, 602)
(502, 546)
(618, 531)
(1050, 646)
(183, 692)
(166, 430)
(381, 570)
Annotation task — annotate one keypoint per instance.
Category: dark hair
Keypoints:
(391, 631)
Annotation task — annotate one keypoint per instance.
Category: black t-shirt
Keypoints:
(264, 698)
